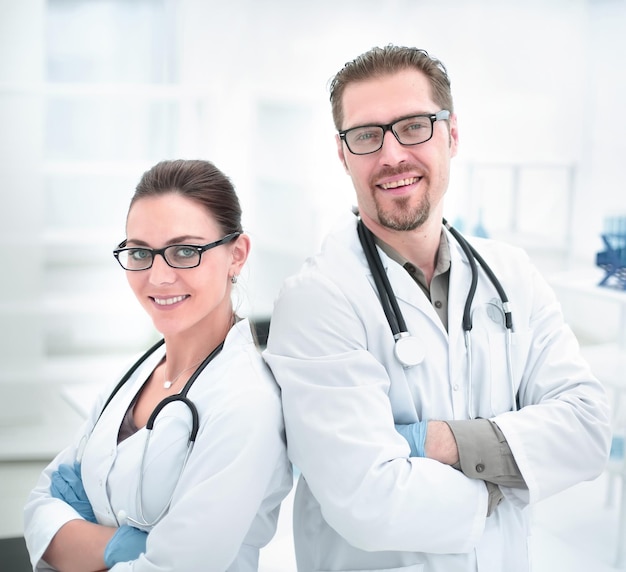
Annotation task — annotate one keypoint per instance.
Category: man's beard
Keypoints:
(401, 217)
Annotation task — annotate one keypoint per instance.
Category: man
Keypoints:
(426, 462)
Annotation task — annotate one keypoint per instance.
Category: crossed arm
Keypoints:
(475, 447)
(79, 546)
(82, 545)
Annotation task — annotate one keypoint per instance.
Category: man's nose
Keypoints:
(392, 151)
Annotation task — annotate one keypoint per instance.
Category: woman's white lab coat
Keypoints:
(362, 503)
(225, 506)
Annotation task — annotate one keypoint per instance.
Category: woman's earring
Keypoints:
(233, 279)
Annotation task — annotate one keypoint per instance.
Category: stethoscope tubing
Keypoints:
(129, 373)
(472, 253)
(195, 426)
(190, 444)
(396, 320)
(387, 297)
(467, 310)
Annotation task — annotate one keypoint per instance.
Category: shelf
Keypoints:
(584, 284)
(608, 363)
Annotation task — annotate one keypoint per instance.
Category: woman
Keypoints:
(128, 495)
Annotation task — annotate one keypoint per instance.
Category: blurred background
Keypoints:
(94, 92)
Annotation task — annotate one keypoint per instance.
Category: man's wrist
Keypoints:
(440, 443)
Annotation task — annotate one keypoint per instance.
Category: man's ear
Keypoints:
(340, 152)
(454, 135)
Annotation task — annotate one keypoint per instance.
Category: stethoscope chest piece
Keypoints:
(409, 350)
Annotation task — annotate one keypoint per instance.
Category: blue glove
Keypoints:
(415, 434)
(125, 545)
(67, 485)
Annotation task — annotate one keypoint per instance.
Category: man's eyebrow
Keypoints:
(399, 118)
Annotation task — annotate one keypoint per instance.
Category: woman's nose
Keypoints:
(161, 272)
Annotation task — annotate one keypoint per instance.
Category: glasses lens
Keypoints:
(362, 140)
(413, 130)
(182, 256)
(135, 258)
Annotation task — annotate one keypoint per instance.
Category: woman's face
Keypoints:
(188, 300)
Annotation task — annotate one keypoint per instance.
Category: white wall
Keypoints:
(21, 248)
(535, 82)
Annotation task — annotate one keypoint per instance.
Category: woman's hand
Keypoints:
(67, 485)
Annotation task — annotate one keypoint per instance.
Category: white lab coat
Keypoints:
(362, 503)
(226, 504)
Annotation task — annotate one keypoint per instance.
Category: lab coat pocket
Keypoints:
(507, 363)
(498, 358)
(411, 568)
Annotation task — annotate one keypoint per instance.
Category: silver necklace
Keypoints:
(167, 384)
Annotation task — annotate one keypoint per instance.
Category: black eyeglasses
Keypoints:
(176, 255)
(411, 130)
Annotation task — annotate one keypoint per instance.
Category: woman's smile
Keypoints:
(160, 301)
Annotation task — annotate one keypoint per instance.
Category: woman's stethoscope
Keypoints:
(408, 349)
(122, 516)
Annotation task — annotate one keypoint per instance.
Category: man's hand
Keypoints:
(415, 435)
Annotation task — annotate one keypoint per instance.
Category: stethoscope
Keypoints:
(122, 515)
(409, 349)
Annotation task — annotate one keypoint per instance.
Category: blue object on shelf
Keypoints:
(479, 229)
(613, 259)
(617, 448)
(459, 224)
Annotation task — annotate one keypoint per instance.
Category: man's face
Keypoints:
(398, 186)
